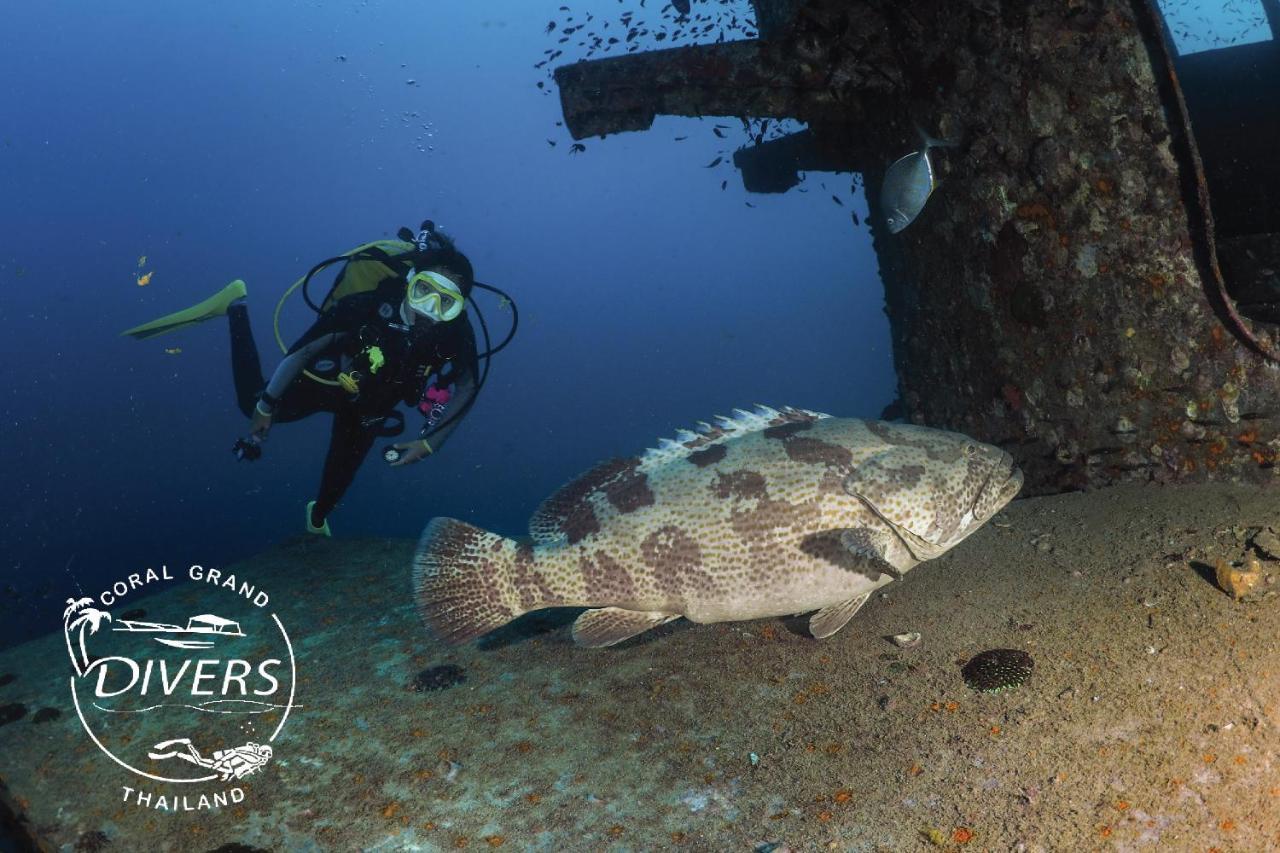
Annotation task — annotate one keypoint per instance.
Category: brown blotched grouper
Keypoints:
(767, 513)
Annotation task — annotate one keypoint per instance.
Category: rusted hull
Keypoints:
(1060, 294)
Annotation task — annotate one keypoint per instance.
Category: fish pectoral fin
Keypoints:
(828, 620)
(606, 626)
(871, 545)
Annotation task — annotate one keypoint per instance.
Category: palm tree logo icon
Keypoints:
(81, 616)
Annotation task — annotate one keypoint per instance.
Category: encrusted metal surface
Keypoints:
(1057, 296)
(1060, 294)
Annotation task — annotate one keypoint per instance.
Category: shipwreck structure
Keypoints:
(1066, 293)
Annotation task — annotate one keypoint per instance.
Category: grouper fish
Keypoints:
(766, 513)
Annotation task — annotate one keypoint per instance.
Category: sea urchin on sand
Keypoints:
(997, 669)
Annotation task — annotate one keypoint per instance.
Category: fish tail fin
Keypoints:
(464, 580)
(929, 142)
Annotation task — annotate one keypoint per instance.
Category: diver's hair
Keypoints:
(447, 259)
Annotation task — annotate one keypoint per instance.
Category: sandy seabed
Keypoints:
(1150, 720)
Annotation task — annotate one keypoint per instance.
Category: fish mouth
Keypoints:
(1012, 482)
(1002, 485)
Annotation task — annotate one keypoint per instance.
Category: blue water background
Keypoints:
(228, 140)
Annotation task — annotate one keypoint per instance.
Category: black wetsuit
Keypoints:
(415, 356)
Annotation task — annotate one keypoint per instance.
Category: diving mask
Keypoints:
(434, 296)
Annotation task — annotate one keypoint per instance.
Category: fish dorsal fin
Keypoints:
(689, 442)
(568, 514)
(577, 508)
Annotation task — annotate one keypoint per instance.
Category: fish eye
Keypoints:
(969, 450)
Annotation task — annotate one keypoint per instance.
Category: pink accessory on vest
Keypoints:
(433, 403)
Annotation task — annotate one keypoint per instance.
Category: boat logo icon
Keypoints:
(200, 633)
(200, 698)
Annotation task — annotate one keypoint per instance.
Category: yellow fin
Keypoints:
(214, 306)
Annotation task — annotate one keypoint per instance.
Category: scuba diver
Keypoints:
(393, 329)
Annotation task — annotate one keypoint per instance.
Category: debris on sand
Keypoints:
(45, 715)
(1267, 543)
(909, 640)
(1238, 582)
(12, 712)
(439, 678)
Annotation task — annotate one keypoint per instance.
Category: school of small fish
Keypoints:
(718, 18)
(712, 22)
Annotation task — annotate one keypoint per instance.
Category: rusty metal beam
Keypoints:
(730, 79)
(774, 166)
(748, 79)
(1060, 294)
(1272, 10)
(773, 17)
(823, 61)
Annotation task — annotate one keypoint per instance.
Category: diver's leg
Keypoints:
(349, 443)
(177, 744)
(246, 368)
(196, 758)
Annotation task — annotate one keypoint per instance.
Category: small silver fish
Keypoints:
(908, 184)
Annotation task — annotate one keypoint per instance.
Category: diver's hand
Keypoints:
(411, 452)
(260, 425)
